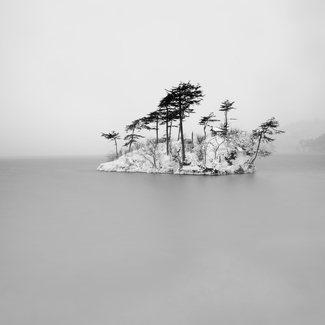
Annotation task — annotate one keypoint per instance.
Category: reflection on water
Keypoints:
(83, 247)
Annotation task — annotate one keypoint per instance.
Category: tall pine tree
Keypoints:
(183, 97)
(167, 116)
(263, 133)
(112, 136)
(136, 125)
(226, 107)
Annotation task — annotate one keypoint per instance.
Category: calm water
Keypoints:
(83, 247)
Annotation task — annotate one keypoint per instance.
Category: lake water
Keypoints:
(83, 247)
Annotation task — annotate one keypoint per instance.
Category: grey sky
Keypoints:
(73, 69)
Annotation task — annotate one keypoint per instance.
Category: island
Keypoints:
(222, 151)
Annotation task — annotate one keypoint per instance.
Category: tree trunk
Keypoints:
(131, 141)
(181, 131)
(216, 150)
(130, 146)
(258, 147)
(167, 140)
(157, 131)
(226, 123)
(116, 148)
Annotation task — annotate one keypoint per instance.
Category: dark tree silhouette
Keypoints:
(167, 114)
(225, 107)
(174, 116)
(153, 117)
(183, 97)
(206, 121)
(112, 136)
(263, 133)
(131, 138)
(136, 125)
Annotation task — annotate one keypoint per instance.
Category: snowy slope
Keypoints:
(209, 158)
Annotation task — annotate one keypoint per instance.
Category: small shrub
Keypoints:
(232, 156)
(111, 156)
(199, 151)
(137, 145)
(199, 139)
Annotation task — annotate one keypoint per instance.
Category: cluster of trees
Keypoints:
(313, 145)
(177, 105)
(237, 137)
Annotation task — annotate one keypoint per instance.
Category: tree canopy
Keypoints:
(132, 138)
(263, 134)
(206, 121)
(224, 145)
(182, 98)
(112, 136)
(225, 107)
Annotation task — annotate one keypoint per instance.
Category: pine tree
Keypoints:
(183, 97)
(132, 138)
(225, 107)
(153, 117)
(167, 116)
(112, 136)
(206, 121)
(263, 133)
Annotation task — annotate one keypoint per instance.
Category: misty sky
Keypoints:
(73, 69)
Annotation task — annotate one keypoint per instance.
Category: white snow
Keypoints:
(151, 158)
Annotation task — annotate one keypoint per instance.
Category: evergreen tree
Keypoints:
(167, 115)
(263, 133)
(225, 107)
(153, 117)
(132, 138)
(206, 121)
(183, 97)
(112, 136)
(174, 116)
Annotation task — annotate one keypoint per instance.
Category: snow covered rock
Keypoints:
(216, 160)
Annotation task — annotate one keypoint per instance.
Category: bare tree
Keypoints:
(151, 152)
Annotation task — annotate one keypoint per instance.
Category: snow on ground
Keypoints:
(207, 159)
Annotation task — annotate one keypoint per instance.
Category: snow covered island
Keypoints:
(223, 151)
(214, 155)
(210, 157)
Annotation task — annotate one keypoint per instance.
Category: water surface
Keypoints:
(79, 246)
